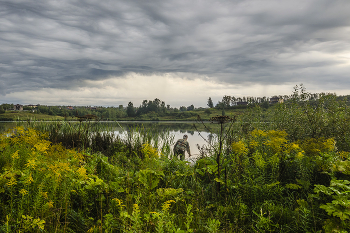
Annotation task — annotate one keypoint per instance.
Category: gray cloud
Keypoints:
(61, 44)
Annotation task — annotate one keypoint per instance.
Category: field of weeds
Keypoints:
(288, 176)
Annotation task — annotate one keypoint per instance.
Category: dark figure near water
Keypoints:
(181, 146)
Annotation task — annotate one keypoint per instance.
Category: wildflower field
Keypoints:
(292, 175)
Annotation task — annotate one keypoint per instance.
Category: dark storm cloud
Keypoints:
(60, 44)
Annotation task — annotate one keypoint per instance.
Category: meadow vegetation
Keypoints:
(285, 171)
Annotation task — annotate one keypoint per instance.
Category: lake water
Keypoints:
(176, 130)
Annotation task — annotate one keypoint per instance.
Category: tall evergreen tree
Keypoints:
(130, 110)
(210, 103)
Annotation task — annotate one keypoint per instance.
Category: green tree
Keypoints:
(2, 110)
(210, 103)
(130, 110)
(190, 108)
(183, 108)
(7, 106)
(226, 100)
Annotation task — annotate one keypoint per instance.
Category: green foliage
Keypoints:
(68, 177)
(213, 225)
(207, 111)
(339, 208)
(149, 178)
(130, 110)
(210, 103)
(28, 223)
(308, 115)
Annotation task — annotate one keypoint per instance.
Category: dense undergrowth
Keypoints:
(272, 179)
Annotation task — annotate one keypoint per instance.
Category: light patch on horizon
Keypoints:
(172, 88)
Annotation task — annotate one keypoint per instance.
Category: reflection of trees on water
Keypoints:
(191, 132)
(4, 126)
(160, 126)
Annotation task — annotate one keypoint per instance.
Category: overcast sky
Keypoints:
(110, 52)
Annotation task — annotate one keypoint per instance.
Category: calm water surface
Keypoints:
(175, 130)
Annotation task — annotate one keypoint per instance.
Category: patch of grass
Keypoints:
(26, 115)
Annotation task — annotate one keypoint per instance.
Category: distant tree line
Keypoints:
(246, 101)
(240, 102)
(150, 108)
(157, 108)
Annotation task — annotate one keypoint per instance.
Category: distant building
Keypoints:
(32, 106)
(18, 107)
(70, 107)
(275, 100)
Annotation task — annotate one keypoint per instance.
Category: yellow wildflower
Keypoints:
(149, 151)
(82, 172)
(23, 192)
(136, 208)
(42, 146)
(44, 194)
(258, 133)
(254, 144)
(239, 147)
(166, 205)
(294, 146)
(29, 180)
(118, 201)
(15, 155)
(343, 154)
(78, 156)
(50, 204)
(276, 143)
(63, 166)
(300, 154)
(12, 181)
(14, 140)
(31, 163)
(276, 134)
(329, 144)
(58, 176)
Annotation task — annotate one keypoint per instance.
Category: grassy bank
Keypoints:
(180, 116)
(27, 116)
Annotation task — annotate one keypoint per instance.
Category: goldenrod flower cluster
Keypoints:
(37, 170)
(149, 151)
(166, 205)
(263, 144)
(239, 147)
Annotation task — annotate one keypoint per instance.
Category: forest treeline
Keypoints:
(153, 109)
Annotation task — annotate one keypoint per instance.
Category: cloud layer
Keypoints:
(74, 45)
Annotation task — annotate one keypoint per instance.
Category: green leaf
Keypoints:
(219, 180)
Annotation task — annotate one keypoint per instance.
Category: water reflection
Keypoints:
(175, 131)
(196, 140)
